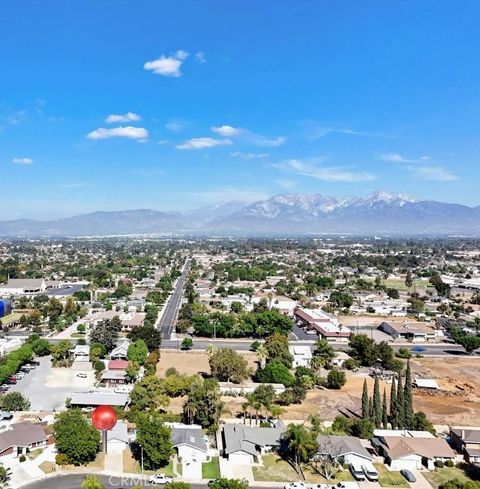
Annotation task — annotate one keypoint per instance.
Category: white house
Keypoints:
(190, 442)
(344, 449)
(118, 438)
(302, 355)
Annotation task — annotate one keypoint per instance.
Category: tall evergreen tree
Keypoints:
(365, 401)
(370, 405)
(377, 404)
(400, 409)
(408, 398)
(393, 404)
(384, 410)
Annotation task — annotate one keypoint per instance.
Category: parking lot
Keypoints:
(47, 388)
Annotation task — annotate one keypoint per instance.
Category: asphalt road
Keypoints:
(110, 482)
(244, 345)
(169, 317)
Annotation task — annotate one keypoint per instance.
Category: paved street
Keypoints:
(169, 316)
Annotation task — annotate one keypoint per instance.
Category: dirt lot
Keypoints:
(457, 403)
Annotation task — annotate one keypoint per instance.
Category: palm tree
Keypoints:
(249, 403)
(189, 411)
(300, 443)
(276, 411)
(262, 354)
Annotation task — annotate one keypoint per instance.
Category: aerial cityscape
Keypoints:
(240, 244)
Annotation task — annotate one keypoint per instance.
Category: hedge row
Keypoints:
(14, 360)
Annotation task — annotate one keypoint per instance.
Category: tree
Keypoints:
(228, 365)
(469, 342)
(41, 347)
(277, 349)
(149, 334)
(75, 437)
(137, 352)
(336, 379)
(300, 444)
(377, 404)
(223, 483)
(203, 405)
(105, 333)
(341, 299)
(187, 344)
(264, 394)
(14, 401)
(324, 351)
(400, 407)
(148, 394)
(131, 372)
(175, 485)
(275, 372)
(154, 437)
(384, 410)
(408, 279)
(408, 398)
(393, 404)
(362, 348)
(422, 423)
(92, 482)
(362, 428)
(365, 401)
(61, 351)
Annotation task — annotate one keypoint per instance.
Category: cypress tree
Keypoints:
(384, 410)
(408, 398)
(377, 404)
(393, 404)
(365, 401)
(370, 404)
(400, 420)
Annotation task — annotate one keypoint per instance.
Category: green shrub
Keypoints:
(22, 458)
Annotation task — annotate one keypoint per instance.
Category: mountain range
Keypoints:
(379, 213)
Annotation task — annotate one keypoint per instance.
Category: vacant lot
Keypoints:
(192, 362)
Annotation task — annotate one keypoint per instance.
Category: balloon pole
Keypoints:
(105, 441)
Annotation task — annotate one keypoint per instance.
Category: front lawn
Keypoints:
(438, 477)
(132, 466)
(390, 478)
(211, 470)
(276, 469)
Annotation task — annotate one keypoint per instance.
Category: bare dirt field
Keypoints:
(457, 402)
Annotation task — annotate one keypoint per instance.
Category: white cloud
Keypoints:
(22, 161)
(227, 193)
(226, 130)
(167, 65)
(434, 173)
(201, 143)
(311, 168)
(398, 158)
(129, 132)
(200, 56)
(128, 117)
(249, 156)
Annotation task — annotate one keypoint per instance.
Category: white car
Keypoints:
(160, 479)
(295, 485)
(82, 375)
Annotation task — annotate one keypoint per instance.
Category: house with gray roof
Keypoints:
(94, 399)
(21, 438)
(244, 444)
(120, 351)
(467, 442)
(23, 286)
(343, 449)
(118, 438)
(190, 442)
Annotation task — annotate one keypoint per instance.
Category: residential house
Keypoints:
(246, 387)
(467, 442)
(118, 438)
(117, 364)
(94, 399)
(245, 444)
(302, 355)
(112, 378)
(405, 449)
(21, 438)
(340, 358)
(120, 351)
(414, 331)
(343, 449)
(189, 441)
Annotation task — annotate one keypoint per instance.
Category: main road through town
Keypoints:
(169, 316)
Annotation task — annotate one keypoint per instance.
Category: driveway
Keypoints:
(48, 388)
(192, 470)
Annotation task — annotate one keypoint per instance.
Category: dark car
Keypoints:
(408, 475)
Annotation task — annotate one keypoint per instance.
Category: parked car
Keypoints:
(357, 471)
(82, 375)
(11, 380)
(160, 479)
(370, 471)
(20, 375)
(408, 475)
(4, 388)
(295, 485)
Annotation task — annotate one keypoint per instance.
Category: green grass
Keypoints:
(388, 478)
(211, 470)
(438, 477)
(132, 466)
(275, 469)
(400, 284)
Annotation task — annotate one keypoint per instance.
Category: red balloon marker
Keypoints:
(104, 418)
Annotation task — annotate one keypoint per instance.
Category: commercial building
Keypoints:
(326, 325)
(23, 286)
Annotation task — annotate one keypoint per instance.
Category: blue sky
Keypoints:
(121, 104)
